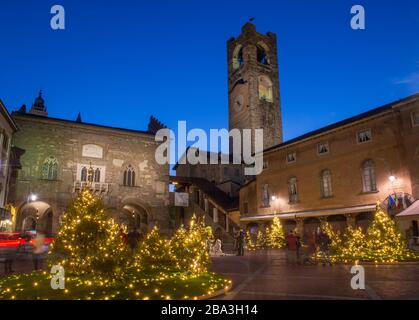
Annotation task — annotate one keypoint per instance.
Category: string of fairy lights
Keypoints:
(270, 238)
(98, 265)
(382, 242)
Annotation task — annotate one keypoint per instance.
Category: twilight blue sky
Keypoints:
(118, 62)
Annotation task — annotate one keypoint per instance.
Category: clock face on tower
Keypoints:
(238, 103)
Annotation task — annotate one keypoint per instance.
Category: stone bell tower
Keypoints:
(253, 84)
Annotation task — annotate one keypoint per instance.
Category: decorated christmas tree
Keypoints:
(154, 254)
(189, 247)
(261, 240)
(88, 242)
(350, 246)
(384, 242)
(250, 244)
(275, 237)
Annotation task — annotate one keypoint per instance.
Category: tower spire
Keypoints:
(38, 106)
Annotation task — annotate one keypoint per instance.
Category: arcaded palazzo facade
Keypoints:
(340, 172)
(60, 157)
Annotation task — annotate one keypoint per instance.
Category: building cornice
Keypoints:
(80, 125)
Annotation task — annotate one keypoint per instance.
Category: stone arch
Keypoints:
(363, 220)
(338, 222)
(262, 53)
(265, 86)
(289, 225)
(134, 213)
(311, 225)
(35, 216)
(252, 227)
(238, 59)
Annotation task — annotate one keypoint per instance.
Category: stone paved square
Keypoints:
(265, 276)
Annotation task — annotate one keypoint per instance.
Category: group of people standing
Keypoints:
(317, 241)
(131, 239)
(239, 242)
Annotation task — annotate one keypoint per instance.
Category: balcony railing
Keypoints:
(95, 187)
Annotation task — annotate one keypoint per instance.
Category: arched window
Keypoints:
(238, 60)
(84, 174)
(368, 176)
(265, 195)
(50, 169)
(97, 175)
(262, 56)
(265, 89)
(326, 183)
(293, 190)
(90, 174)
(129, 176)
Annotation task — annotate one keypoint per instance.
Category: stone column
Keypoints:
(300, 227)
(227, 226)
(350, 220)
(215, 215)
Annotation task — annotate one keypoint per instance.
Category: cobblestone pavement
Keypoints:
(266, 276)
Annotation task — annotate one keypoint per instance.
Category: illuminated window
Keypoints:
(326, 183)
(96, 175)
(293, 190)
(368, 176)
(265, 195)
(83, 176)
(265, 89)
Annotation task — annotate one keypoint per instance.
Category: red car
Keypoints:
(16, 239)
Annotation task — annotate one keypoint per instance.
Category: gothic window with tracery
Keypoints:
(50, 169)
(129, 176)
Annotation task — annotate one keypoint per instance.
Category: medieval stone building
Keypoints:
(60, 157)
(7, 129)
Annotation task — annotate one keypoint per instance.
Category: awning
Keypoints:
(311, 213)
(413, 210)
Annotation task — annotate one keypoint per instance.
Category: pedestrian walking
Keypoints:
(235, 240)
(292, 242)
(38, 250)
(123, 235)
(299, 245)
(241, 242)
(133, 238)
(324, 245)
